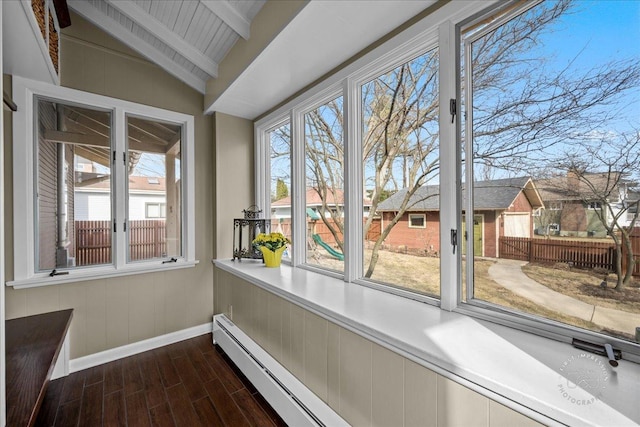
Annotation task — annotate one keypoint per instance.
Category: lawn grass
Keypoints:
(585, 286)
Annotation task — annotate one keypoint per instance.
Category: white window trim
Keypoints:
(24, 92)
(161, 206)
(422, 216)
(441, 24)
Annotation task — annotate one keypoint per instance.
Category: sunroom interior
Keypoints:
(155, 123)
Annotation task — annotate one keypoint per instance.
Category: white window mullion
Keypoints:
(120, 174)
(298, 189)
(262, 180)
(353, 182)
(188, 188)
(24, 176)
(449, 168)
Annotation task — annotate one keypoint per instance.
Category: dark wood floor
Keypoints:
(190, 383)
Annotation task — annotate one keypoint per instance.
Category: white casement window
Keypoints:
(88, 172)
(450, 117)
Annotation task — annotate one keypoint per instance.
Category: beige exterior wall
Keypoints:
(113, 312)
(367, 384)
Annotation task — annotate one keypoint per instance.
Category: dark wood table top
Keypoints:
(32, 347)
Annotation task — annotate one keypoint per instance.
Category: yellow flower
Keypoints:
(271, 241)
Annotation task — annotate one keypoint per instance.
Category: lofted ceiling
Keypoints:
(188, 38)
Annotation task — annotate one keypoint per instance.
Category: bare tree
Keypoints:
(617, 159)
(519, 116)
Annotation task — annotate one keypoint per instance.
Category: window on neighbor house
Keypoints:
(95, 162)
(324, 195)
(510, 152)
(417, 221)
(155, 210)
(521, 68)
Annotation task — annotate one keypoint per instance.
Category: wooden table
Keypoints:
(32, 344)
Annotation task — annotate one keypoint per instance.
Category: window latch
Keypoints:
(170, 260)
(613, 354)
(452, 109)
(55, 272)
(454, 239)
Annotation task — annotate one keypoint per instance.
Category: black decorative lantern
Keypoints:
(245, 230)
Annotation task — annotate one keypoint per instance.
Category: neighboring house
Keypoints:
(281, 209)
(281, 212)
(574, 203)
(504, 207)
(147, 200)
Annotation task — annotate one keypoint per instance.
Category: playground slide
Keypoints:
(332, 252)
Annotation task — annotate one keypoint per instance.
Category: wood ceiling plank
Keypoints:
(113, 28)
(161, 32)
(230, 15)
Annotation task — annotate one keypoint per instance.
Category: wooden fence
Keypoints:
(583, 254)
(93, 241)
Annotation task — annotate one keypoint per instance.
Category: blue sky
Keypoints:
(605, 29)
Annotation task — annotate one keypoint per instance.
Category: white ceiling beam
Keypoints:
(225, 11)
(165, 35)
(117, 31)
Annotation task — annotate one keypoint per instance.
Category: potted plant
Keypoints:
(272, 245)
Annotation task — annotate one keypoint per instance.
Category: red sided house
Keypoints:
(504, 207)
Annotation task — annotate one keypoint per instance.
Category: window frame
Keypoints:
(26, 92)
(423, 217)
(162, 206)
(445, 24)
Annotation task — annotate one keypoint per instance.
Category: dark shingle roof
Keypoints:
(497, 194)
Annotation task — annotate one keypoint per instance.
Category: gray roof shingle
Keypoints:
(497, 194)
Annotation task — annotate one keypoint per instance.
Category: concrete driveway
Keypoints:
(508, 273)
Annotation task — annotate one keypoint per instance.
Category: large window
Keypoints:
(73, 197)
(280, 188)
(400, 173)
(102, 186)
(552, 121)
(488, 137)
(154, 159)
(324, 195)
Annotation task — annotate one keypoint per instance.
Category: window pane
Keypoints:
(280, 149)
(154, 189)
(554, 116)
(73, 186)
(401, 178)
(324, 158)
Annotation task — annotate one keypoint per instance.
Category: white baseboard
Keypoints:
(112, 354)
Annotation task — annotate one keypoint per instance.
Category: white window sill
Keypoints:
(520, 370)
(94, 273)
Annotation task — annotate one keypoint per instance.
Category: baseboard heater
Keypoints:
(294, 402)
